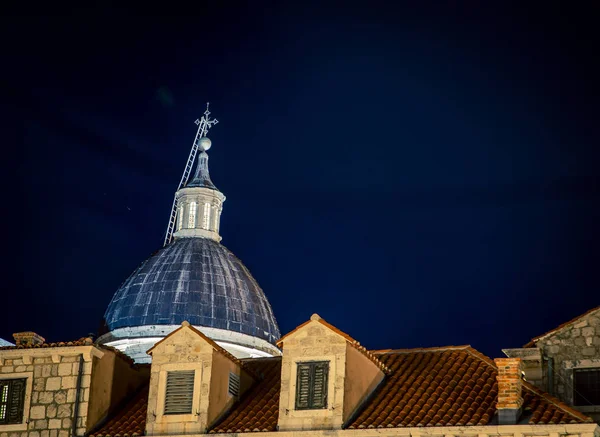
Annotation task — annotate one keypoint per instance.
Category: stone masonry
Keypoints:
(52, 397)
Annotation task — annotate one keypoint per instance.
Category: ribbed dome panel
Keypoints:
(198, 280)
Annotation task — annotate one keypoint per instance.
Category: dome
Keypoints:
(198, 280)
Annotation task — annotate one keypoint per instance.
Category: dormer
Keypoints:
(193, 382)
(325, 377)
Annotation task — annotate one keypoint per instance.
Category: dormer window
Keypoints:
(587, 387)
(311, 385)
(179, 394)
(192, 216)
(12, 401)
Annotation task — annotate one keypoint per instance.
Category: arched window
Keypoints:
(192, 216)
(206, 217)
(180, 218)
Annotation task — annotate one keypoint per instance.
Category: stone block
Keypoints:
(34, 434)
(46, 397)
(37, 412)
(86, 380)
(52, 384)
(83, 407)
(581, 324)
(64, 410)
(65, 369)
(53, 433)
(46, 370)
(54, 424)
(34, 397)
(63, 433)
(69, 359)
(51, 411)
(589, 351)
(45, 433)
(587, 332)
(8, 369)
(39, 384)
(67, 423)
(41, 424)
(54, 370)
(71, 395)
(20, 368)
(68, 382)
(60, 397)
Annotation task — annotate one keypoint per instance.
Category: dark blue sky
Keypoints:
(419, 175)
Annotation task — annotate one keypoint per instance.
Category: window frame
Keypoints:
(192, 212)
(161, 417)
(313, 365)
(173, 373)
(21, 426)
(582, 370)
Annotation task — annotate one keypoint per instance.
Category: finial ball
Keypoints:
(205, 143)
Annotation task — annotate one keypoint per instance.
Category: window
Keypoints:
(586, 386)
(234, 384)
(180, 392)
(180, 221)
(12, 400)
(192, 216)
(206, 218)
(311, 385)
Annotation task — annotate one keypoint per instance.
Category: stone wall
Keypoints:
(575, 346)
(50, 397)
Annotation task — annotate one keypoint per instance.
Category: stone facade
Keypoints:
(50, 397)
(574, 345)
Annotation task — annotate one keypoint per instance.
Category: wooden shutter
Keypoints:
(12, 400)
(311, 385)
(179, 394)
(303, 386)
(319, 385)
(234, 384)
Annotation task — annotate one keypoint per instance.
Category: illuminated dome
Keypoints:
(192, 278)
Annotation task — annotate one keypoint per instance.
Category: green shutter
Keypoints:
(179, 395)
(12, 400)
(311, 385)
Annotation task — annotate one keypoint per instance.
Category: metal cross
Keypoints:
(204, 124)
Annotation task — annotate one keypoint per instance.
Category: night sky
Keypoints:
(423, 174)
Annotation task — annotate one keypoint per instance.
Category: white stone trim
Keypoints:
(88, 353)
(238, 344)
(161, 417)
(26, 403)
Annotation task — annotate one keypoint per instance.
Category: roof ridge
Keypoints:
(555, 401)
(83, 341)
(419, 349)
(531, 342)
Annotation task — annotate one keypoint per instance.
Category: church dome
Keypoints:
(192, 278)
(198, 280)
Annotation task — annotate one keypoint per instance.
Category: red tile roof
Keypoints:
(84, 341)
(534, 340)
(129, 421)
(258, 410)
(451, 386)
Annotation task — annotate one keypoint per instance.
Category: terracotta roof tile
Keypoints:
(561, 326)
(451, 386)
(130, 421)
(454, 386)
(258, 410)
(84, 341)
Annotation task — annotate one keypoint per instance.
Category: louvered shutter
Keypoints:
(179, 394)
(311, 385)
(16, 400)
(234, 384)
(319, 385)
(303, 386)
(12, 400)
